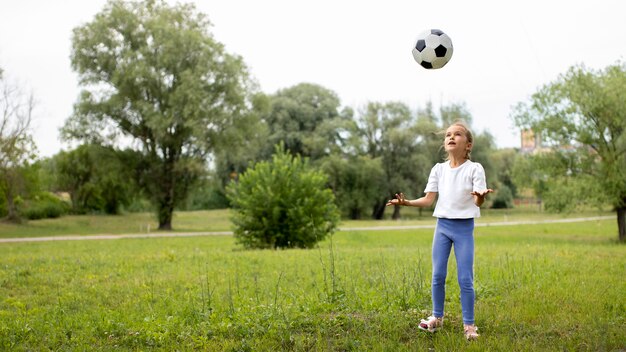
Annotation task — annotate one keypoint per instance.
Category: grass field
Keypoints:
(539, 287)
(193, 221)
(218, 220)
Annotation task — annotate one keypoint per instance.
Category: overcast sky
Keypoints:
(503, 50)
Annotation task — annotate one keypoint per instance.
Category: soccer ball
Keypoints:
(432, 49)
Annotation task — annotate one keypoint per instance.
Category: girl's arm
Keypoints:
(423, 202)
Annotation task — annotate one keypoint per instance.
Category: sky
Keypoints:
(504, 51)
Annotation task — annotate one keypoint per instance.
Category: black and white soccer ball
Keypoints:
(432, 49)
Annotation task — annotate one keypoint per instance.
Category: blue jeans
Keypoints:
(460, 233)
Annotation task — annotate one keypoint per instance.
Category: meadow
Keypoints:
(540, 287)
(219, 220)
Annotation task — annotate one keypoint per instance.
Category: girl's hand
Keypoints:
(483, 193)
(479, 196)
(400, 200)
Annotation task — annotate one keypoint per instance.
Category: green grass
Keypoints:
(134, 223)
(218, 220)
(539, 288)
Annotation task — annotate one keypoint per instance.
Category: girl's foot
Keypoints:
(470, 332)
(431, 324)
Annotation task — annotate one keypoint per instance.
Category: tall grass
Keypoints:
(539, 287)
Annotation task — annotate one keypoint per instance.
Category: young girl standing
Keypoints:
(460, 186)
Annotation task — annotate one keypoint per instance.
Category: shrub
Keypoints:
(99, 178)
(44, 205)
(282, 203)
(503, 198)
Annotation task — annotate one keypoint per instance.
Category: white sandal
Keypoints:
(470, 332)
(431, 324)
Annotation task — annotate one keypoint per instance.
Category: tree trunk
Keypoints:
(166, 201)
(621, 223)
(396, 212)
(379, 210)
(12, 215)
(9, 186)
(165, 217)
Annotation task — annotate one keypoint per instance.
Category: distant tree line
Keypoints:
(367, 155)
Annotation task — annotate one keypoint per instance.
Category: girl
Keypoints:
(461, 188)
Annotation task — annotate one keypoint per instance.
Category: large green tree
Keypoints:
(388, 132)
(582, 117)
(154, 74)
(307, 119)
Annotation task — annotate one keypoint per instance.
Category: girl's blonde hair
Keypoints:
(468, 135)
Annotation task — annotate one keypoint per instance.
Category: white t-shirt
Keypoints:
(455, 186)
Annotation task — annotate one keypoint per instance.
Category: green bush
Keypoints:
(282, 203)
(44, 205)
(100, 179)
(503, 198)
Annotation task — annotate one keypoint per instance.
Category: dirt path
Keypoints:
(228, 233)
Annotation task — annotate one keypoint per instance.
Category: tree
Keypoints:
(409, 145)
(581, 116)
(503, 162)
(355, 181)
(17, 149)
(531, 172)
(154, 74)
(230, 162)
(429, 147)
(284, 203)
(306, 118)
(98, 178)
(388, 132)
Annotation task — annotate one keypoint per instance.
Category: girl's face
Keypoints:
(455, 142)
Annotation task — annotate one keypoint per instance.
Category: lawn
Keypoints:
(133, 223)
(219, 220)
(541, 287)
